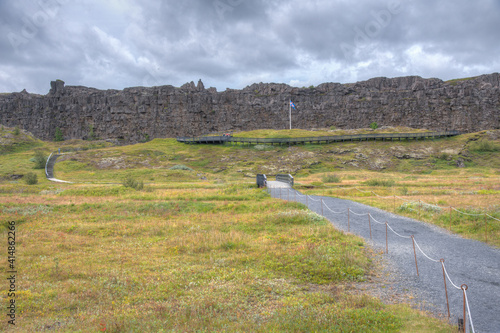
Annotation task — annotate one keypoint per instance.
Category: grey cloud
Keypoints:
(119, 44)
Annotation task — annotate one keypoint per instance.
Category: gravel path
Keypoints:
(49, 169)
(467, 261)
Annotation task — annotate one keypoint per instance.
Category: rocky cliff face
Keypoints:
(138, 113)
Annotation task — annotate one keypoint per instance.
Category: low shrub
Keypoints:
(331, 178)
(181, 167)
(40, 159)
(444, 156)
(31, 178)
(380, 182)
(484, 147)
(135, 184)
(263, 147)
(298, 217)
(374, 125)
(416, 206)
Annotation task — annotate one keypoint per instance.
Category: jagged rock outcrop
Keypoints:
(139, 113)
(56, 88)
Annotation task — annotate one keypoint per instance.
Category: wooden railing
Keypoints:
(285, 178)
(318, 139)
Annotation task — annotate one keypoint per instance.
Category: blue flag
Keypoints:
(292, 105)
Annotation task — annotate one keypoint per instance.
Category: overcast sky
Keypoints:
(233, 43)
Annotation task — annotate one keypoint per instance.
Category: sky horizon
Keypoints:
(239, 88)
(117, 44)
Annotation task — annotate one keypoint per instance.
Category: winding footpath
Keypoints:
(466, 261)
(49, 169)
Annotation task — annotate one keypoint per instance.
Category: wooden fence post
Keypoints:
(386, 241)
(450, 218)
(485, 227)
(370, 224)
(348, 220)
(415, 252)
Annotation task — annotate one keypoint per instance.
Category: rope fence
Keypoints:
(421, 205)
(416, 246)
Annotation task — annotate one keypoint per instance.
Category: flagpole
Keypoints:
(290, 112)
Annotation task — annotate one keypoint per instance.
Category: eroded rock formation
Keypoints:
(139, 113)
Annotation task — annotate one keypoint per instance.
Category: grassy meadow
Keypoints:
(301, 133)
(201, 249)
(439, 197)
(174, 260)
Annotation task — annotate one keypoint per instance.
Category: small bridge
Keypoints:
(282, 181)
(288, 178)
(315, 140)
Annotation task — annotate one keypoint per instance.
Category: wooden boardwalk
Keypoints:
(317, 139)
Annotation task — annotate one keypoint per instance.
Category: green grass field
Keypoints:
(205, 250)
(188, 260)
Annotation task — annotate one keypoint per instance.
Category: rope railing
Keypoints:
(409, 201)
(456, 210)
(421, 206)
(331, 210)
(416, 245)
(374, 220)
(425, 255)
(313, 199)
(448, 277)
(492, 217)
(468, 310)
(407, 237)
(363, 214)
(420, 202)
(466, 300)
(388, 197)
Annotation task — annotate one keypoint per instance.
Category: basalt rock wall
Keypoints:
(139, 113)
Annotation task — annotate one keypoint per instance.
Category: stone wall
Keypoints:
(139, 113)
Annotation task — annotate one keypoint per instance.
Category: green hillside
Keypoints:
(201, 249)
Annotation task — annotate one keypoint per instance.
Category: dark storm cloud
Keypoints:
(232, 43)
